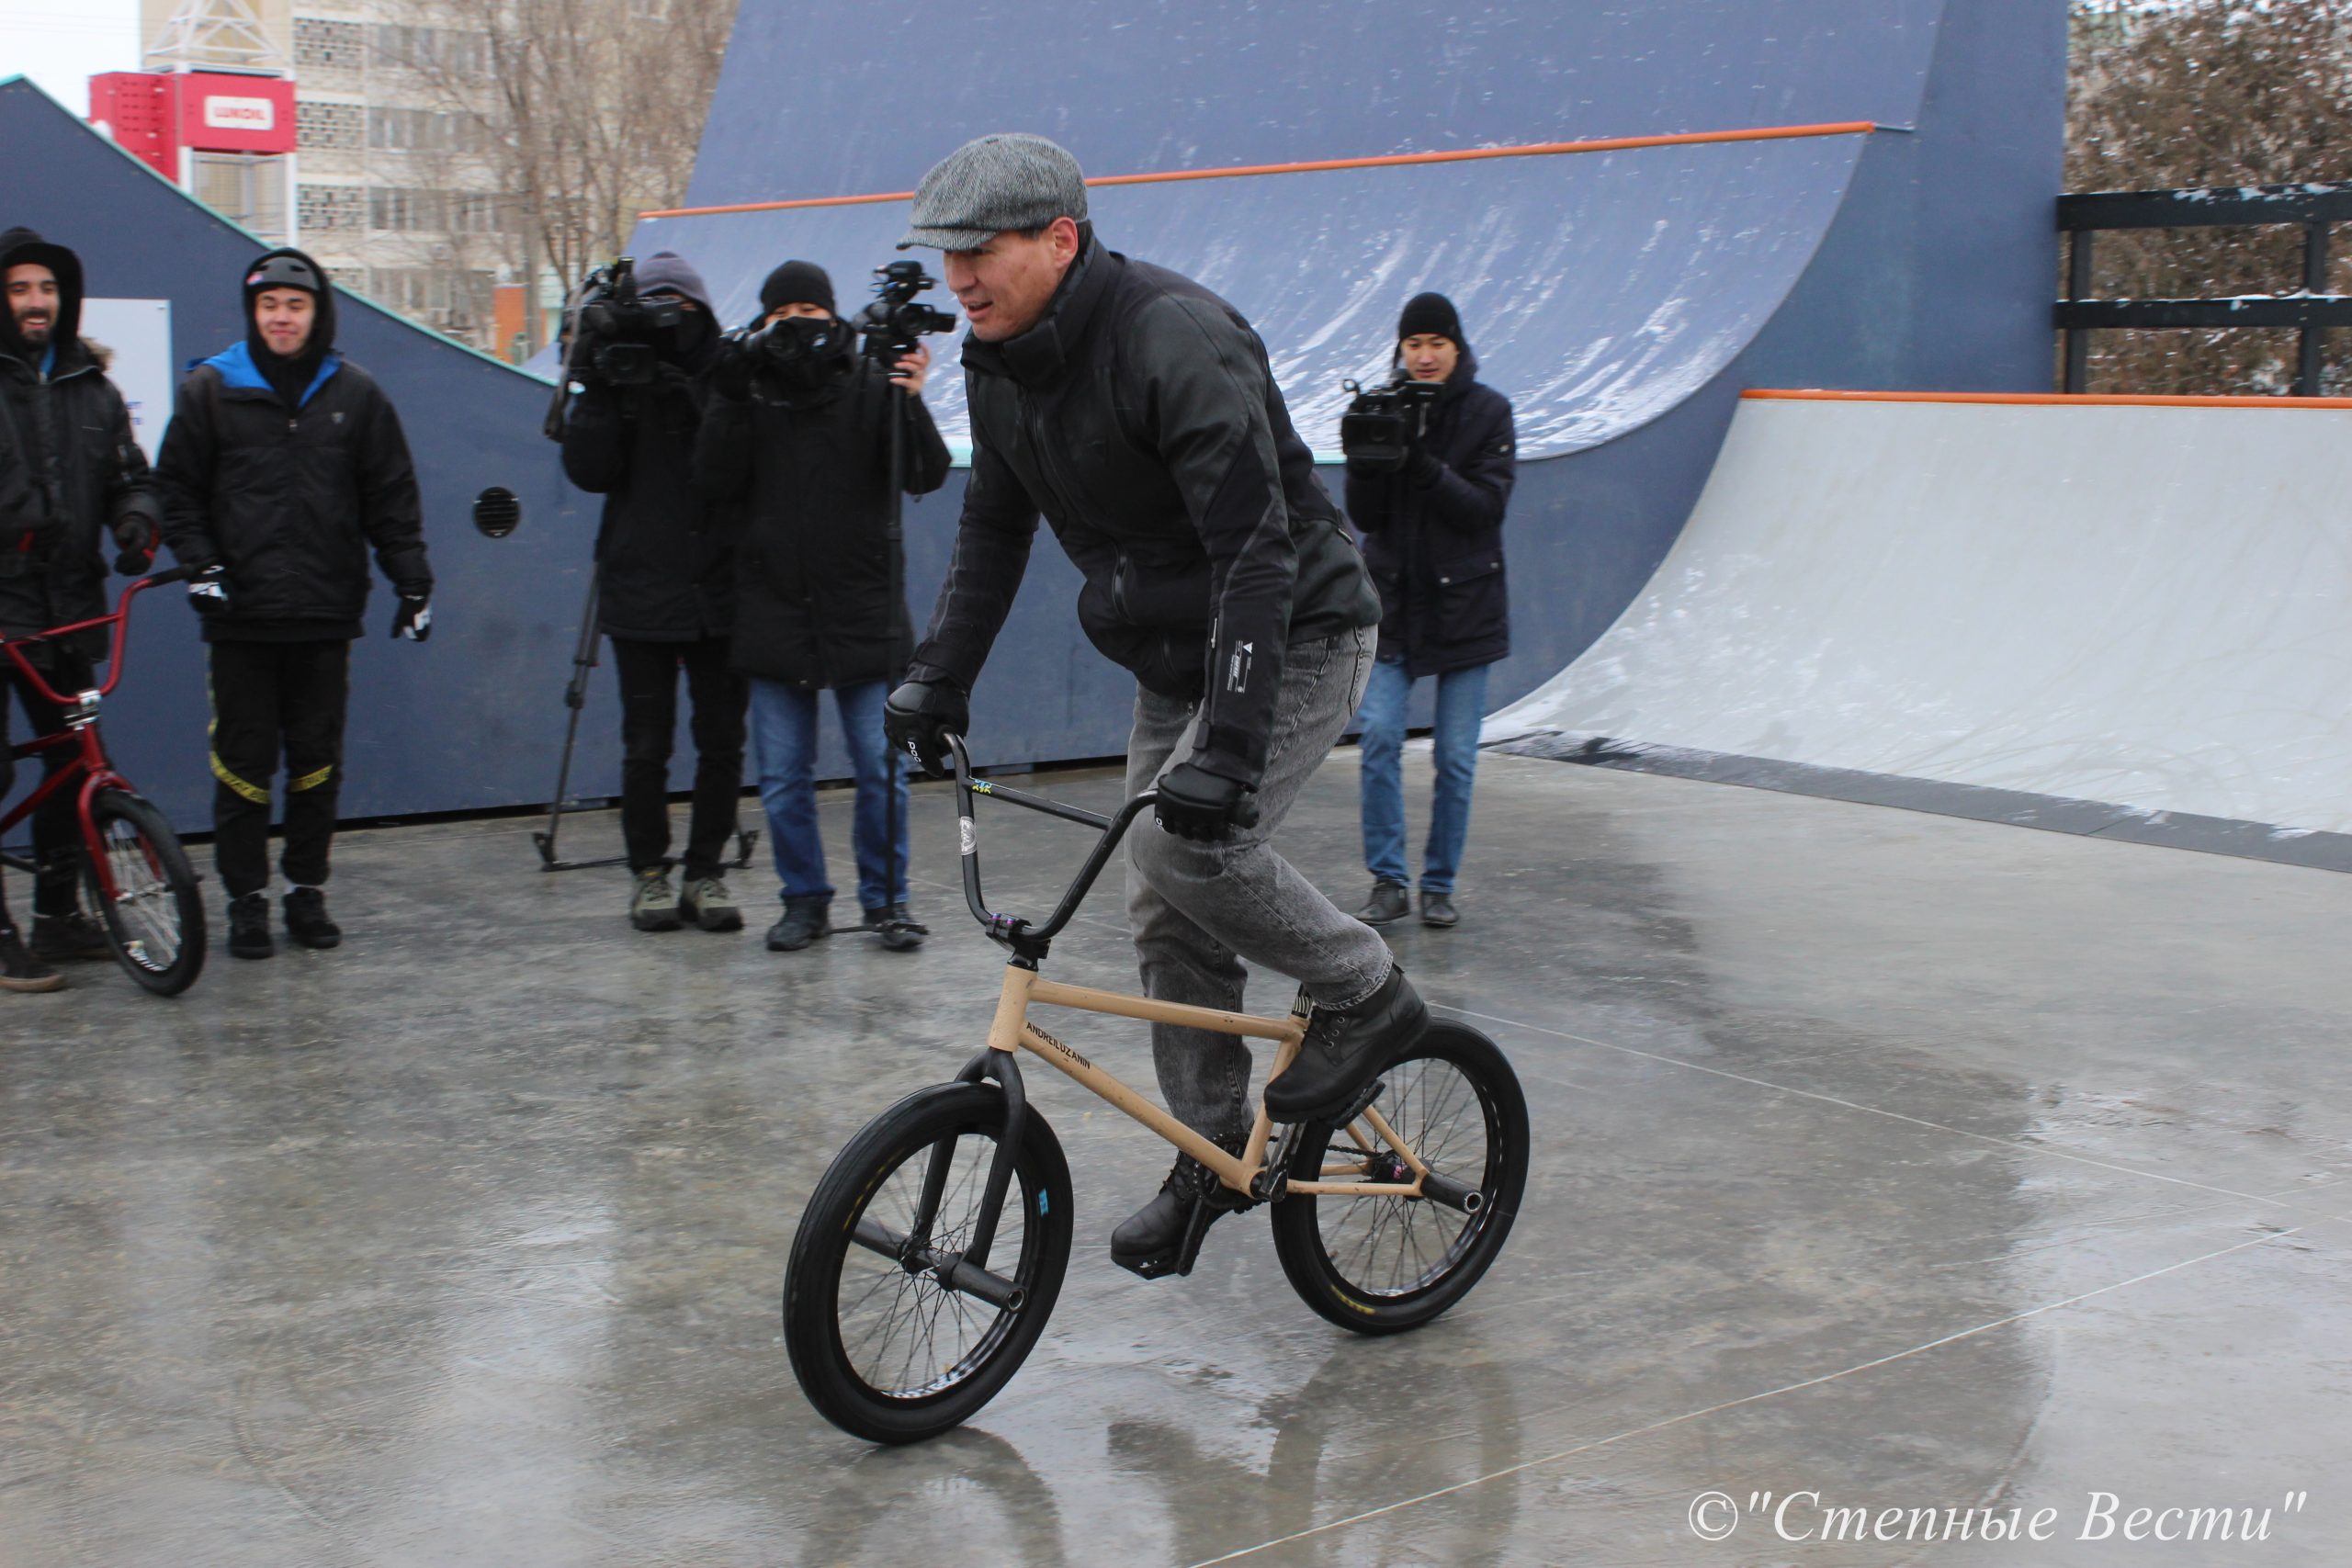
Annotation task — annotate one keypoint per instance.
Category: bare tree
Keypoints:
(588, 112)
(2166, 94)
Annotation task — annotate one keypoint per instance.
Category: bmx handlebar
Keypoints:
(118, 619)
(1013, 931)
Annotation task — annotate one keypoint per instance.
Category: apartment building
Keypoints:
(392, 190)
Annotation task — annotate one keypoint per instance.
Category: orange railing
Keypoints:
(1385, 161)
(2153, 400)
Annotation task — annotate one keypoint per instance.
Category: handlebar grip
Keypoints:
(162, 578)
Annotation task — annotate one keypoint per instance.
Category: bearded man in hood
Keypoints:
(284, 466)
(69, 474)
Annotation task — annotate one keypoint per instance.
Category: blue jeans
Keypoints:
(784, 742)
(1461, 705)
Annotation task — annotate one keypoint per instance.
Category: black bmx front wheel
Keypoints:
(882, 1346)
(154, 912)
(1379, 1264)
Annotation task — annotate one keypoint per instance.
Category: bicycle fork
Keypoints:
(965, 1272)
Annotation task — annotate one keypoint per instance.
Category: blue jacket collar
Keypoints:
(238, 373)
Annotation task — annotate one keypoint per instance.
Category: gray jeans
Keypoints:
(1200, 911)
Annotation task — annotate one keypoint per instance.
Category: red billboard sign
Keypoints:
(221, 113)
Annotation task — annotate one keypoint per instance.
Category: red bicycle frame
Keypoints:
(80, 731)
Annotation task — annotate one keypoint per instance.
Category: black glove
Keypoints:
(1203, 806)
(918, 716)
(1377, 465)
(412, 619)
(208, 590)
(134, 538)
(1422, 469)
(730, 373)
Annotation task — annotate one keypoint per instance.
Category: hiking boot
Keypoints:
(1160, 1237)
(19, 970)
(69, 939)
(899, 932)
(805, 920)
(1387, 904)
(1437, 910)
(249, 927)
(653, 905)
(306, 922)
(1343, 1051)
(708, 906)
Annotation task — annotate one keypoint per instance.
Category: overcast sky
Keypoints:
(62, 43)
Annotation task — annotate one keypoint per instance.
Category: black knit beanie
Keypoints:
(1430, 313)
(797, 282)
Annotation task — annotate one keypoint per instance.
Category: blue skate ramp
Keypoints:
(1599, 289)
(1621, 299)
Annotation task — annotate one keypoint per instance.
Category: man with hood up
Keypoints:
(798, 436)
(665, 597)
(70, 472)
(283, 466)
(1432, 521)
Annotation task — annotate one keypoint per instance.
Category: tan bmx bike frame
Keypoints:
(1013, 1032)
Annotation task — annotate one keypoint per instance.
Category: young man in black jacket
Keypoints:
(1432, 521)
(69, 474)
(283, 466)
(664, 597)
(796, 437)
(1137, 411)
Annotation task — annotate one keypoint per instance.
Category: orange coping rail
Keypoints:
(2104, 400)
(1386, 161)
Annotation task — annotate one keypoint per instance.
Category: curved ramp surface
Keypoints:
(1601, 290)
(2135, 605)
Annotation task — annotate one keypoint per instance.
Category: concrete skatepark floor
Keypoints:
(1908, 1161)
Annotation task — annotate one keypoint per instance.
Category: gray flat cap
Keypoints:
(1007, 181)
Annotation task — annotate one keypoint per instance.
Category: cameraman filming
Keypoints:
(664, 578)
(797, 433)
(1137, 411)
(1431, 509)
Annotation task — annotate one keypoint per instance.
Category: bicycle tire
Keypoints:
(155, 925)
(846, 1306)
(1331, 1246)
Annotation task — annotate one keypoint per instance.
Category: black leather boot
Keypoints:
(249, 927)
(1345, 1051)
(1164, 1236)
(306, 922)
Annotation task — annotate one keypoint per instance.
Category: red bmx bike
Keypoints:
(136, 875)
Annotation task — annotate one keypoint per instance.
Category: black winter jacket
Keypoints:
(664, 556)
(820, 583)
(69, 470)
(289, 497)
(1141, 417)
(1433, 532)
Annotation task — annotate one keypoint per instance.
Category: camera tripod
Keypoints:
(575, 697)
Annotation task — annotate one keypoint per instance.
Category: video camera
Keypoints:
(615, 326)
(1381, 425)
(896, 319)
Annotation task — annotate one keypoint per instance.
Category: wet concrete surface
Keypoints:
(1906, 1161)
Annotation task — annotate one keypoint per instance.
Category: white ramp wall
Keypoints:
(2149, 605)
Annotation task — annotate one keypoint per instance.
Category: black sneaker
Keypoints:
(249, 927)
(897, 931)
(1437, 910)
(19, 970)
(306, 922)
(69, 939)
(1160, 1237)
(1345, 1050)
(1387, 904)
(806, 918)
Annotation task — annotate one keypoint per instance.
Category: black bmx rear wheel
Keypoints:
(882, 1348)
(154, 917)
(1380, 1265)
